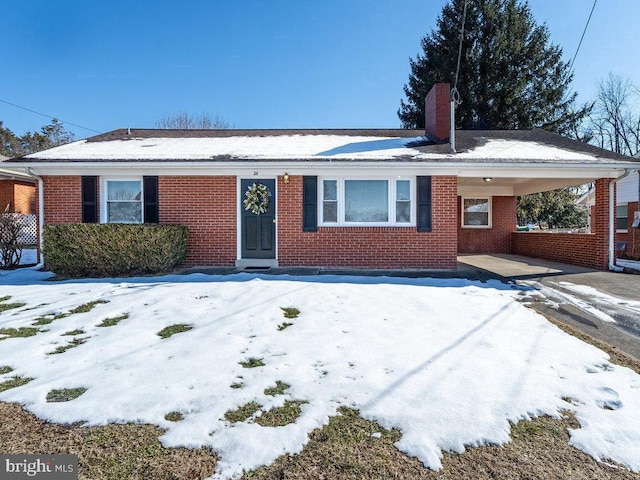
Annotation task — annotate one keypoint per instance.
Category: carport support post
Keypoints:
(602, 222)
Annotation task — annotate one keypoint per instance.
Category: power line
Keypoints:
(49, 116)
(582, 37)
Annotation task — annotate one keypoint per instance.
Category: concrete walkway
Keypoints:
(603, 304)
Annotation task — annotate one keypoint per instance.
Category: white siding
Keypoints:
(628, 189)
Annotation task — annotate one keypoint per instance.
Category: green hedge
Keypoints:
(95, 250)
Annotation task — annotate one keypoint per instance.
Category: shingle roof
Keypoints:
(473, 146)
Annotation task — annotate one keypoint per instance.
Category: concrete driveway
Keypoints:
(605, 305)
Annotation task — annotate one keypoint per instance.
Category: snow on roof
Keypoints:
(361, 145)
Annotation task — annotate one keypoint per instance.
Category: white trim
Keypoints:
(391, 201)
(104, 194)
(327, 167)
(489, 216)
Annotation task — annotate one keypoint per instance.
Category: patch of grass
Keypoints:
(47, 319)
(87, 307)
(242, 413)
(6, 369)
(18, 332)
(284, 325)
(14, 382)
(279, 389)
(252, 363)
(173, 417)
(281, 416)
(78, 331)
(110, 452)
(110, 322)
(42, 321)
(345, 449)
(65, 394)
(5, 298)
(9, 306)
(290, 312)
(166, 332)
(72, 344)
(237, 385)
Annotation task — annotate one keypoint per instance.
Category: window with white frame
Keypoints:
(476, 212)
(622, 217)
(122, 201)
(355, 201)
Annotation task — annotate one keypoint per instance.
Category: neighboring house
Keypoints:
(17, 190)
(626, 212)
(332, 198)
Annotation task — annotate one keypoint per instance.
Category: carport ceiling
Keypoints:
(511, 186)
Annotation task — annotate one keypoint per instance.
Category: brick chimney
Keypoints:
(437, 112)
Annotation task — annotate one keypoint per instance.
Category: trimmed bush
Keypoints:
(97, 250)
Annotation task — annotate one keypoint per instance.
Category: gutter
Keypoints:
(40, 215)
(612, 215)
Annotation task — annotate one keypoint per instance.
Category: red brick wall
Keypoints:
(368, 247)
(62, 199)
(496, 239)
(437, 111)
(574, 248)
(207, 206)
(588, 250)
(6, 194)
(24, 195)
(20, 196)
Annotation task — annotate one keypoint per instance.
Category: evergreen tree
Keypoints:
(49, 136)
(555, 208)
(511, 76)
(9, 143)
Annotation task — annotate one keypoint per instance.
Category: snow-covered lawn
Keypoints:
(450, 363)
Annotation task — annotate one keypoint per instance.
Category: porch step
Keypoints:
(256, 263)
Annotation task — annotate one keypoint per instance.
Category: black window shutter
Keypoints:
(309, 204)
(89, 199)
(151, 210)
(424, 204)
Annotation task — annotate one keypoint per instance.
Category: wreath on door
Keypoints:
(256, 198)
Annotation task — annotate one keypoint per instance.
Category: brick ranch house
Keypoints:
(336, 198)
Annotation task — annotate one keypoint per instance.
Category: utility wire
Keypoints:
(582, 37)
(49, 116)
(454, 91)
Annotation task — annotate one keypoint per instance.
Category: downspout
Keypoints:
(40, 215)
(612, 215)
(452, 126)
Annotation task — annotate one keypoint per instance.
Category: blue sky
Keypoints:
(256, 63)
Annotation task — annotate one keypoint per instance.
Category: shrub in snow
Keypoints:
(94, 250)
(10, 245)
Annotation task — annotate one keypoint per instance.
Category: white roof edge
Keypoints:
(274, 168)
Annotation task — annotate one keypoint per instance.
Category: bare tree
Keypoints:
(188, 121)
(615, 121)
